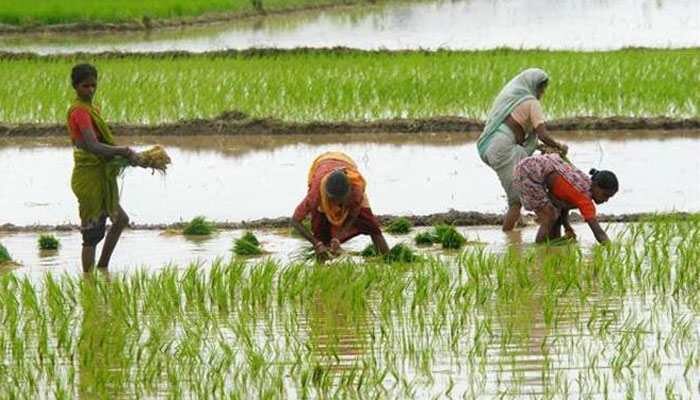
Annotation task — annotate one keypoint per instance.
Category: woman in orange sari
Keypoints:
(338, 206)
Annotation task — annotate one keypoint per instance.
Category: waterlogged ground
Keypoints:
(606, 322)
(479, 24)
(252, 177)
(154, 250)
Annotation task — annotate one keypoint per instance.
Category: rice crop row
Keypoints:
(313, 85)
(618, 321)
(49, 12)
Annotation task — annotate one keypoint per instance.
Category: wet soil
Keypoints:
(238, 123)
(452, 217)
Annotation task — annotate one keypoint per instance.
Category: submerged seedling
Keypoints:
(247, 245)
(449, 237)
(425, 239)
(399, 226)
(4, 254)
(48, 242)
(199, 226)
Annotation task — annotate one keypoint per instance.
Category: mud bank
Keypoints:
(452, 217)
(238, 123)
(149, 24)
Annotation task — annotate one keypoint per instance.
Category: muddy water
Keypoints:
(252, 177)
(476, 24)
(153, 250)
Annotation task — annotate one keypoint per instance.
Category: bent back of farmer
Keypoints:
(94, 178)
(338, 206)
(515, 123)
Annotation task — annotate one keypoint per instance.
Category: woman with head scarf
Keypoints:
(514, 125)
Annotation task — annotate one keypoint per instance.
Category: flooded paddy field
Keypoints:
(228, 178)
(480, 24)
(618, 321)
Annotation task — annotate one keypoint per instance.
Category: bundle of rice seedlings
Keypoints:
(247, 245)
(199, 226)
(425, 239)
(48, 242)
(401, 225)
(4, 254)
(369, 251)
(155, 158)
(401, 253)
(449, 237)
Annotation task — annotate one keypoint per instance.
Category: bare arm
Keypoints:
(542, 134)
(598, 231)
(303, 231)
(89, 143)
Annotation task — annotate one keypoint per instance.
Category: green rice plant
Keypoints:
(48, 242)
(426, 239)
(448, 236)
(247, 245)
(333, 85)
(4, 254)
(399, 226)
(400, 253)
(369, 251)
(199, 226)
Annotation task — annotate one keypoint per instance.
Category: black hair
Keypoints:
(605, 180)
(544, 83)
(82, 72)
(337, 184)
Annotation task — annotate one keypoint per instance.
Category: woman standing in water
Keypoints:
(94, 179)
(515, 123)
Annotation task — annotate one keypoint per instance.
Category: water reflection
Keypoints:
(468, 24)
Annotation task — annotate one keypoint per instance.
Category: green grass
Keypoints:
(354, 85)
(399, 226)
(48, 12)
(48, 242)
(425, 239)
(199, 226)
(4, 254)
(247, 245)
(448, 236)
(607, 322)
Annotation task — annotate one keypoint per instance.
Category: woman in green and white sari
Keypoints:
(514, 125)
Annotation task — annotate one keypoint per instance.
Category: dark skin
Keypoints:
(85, 90)
(324, 252)
(513, 214)
(555, 216)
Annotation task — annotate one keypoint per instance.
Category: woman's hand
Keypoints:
(335, 246)
(132, 156)
(564, 149)
(320, 249)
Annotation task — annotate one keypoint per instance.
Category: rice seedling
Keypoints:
(448, 236)
(48, 242)
(400, 253)
(369, 251)
(329, 85)
(247, 245)
(559, 322)
(155, 158)
(399, 226)
(4, 254)
(199, 226)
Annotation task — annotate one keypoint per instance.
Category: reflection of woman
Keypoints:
(514, 124)
(94, 179)
(550, 187)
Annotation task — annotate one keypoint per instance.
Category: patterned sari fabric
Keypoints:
(530, 178)
(94, 179)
